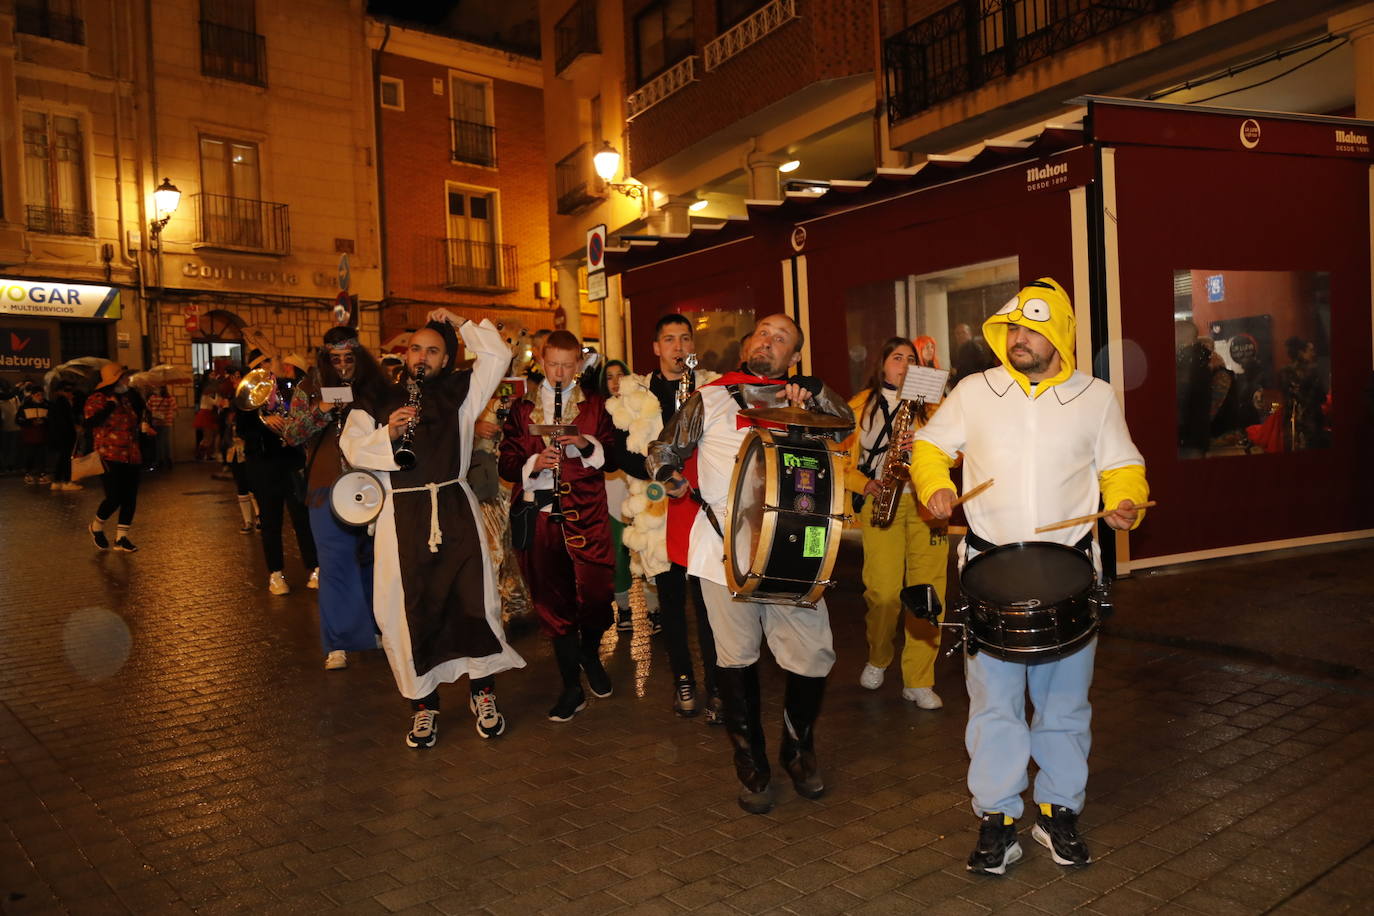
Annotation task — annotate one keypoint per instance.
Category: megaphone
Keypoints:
(357, 498)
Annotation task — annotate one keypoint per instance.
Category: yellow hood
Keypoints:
(1041, 306)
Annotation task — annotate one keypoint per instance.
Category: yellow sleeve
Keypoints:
(930, 471)
(1124, 483)
(854, 479)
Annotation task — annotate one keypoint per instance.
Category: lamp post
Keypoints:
(166, 198)
(606, 161)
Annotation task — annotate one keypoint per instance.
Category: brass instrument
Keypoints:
(255, 389)
(688, 383)
(896, 465)
(556, 508)
(405, 455)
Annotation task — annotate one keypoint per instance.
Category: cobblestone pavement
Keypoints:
(169, 741)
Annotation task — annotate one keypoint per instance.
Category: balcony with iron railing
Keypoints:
(477, 265)
(38, 19)
(575, 35)
(242, 224)
(233, 54)
(576, 182)
(474, 142)
(57, 221)
(972, 42)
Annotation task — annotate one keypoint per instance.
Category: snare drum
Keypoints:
(785, 515)
(1030, 601)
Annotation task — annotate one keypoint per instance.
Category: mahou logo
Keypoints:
(1249, 133)
(1350, 141)
(1046, 176)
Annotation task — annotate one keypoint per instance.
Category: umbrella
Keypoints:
(165, 374)
(83, 372)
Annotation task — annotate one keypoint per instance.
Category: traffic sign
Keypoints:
(343, 272)
(596, 248)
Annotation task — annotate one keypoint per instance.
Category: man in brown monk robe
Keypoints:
(434, 593)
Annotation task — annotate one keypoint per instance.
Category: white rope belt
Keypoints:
(436, 535)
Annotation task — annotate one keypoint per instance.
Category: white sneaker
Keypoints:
(490, 722)
(872, 677)
(923, 697)
(335, 660)
(72, 485)
(276, 584)
(314, 580)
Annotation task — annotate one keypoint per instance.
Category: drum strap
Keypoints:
(983, 545)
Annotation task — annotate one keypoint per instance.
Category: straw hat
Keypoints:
(111, 373)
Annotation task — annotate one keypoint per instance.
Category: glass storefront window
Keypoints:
(1252, 355)
(948, 306)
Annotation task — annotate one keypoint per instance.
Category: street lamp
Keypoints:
(606, 161)
(166, 197)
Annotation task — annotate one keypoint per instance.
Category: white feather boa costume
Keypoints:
(636, 411)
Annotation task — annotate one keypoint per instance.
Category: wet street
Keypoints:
(170, 742)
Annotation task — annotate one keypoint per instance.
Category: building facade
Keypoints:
(465, 208)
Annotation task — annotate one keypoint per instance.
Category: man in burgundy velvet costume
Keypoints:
(569, 564)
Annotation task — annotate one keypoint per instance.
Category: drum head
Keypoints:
(746, 508)
(356, 498)
(1013, 574)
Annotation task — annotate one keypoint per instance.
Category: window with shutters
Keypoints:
(230, 46)
(475, 257)
(55, 181)
(474, 136)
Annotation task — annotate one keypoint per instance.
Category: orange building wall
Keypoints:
(416, 166)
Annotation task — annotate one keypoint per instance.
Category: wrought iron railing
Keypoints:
(232, 54)
(56, 221)
(238, 222)
(661, 86)
(575, 34)
(753, 29)
(479, 265)
(38, 19)
(971, 42)
(576, 182)
(473, 142)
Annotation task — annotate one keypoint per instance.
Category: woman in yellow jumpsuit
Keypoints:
(908, 552)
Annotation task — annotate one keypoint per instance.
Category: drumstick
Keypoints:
(972, 493)
(1070, 522)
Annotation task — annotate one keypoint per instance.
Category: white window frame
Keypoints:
(400, 85)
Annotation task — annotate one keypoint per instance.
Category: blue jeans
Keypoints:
(1000, 743)
(346, 620)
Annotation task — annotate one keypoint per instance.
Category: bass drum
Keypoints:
(1030, 601)
(784, 519)
(356, 498)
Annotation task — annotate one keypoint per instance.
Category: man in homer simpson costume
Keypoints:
(1055, 441)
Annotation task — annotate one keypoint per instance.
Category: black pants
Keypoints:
(120, 481)
(240, 471)
(673, 586)
(60, 460)
(476, 685)
(35, 459)
(272, 486)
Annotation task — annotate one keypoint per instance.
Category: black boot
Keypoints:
(739, 688)
(568, 655)
(597, 678)
(801, 706)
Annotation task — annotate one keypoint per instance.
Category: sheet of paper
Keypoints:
(924, 383)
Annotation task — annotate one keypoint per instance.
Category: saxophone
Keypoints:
(896, 466)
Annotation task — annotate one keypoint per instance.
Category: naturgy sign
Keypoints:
(58, 299)
(25, 348)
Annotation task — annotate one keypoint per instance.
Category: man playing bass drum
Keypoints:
(1055, 441)
(799, 637)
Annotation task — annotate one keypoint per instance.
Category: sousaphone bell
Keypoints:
(254, 389)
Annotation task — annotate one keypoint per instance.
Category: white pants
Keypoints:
(798, 637)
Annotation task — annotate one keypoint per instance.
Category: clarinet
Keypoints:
(556, 510)
(405, 455)
(688, 383)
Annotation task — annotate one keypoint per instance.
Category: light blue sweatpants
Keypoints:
(1000, 743)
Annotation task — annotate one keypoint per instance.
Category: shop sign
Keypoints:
(192, 269)
(25, 348)
(1216, 288)
(1352, 141)
(58, 299)
(1044, 177)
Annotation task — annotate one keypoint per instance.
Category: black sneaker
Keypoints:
(623, 621)
(570, 702)
(125, 545)
(424, 730)
(1058, 832)
(98, 535)
(490, 722)
(997, 847)
(715, 710)
(685, 698)
(597, 678)
(655, 623)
